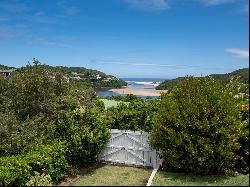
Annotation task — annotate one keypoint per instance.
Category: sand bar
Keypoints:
(138, 91)
(144, 83)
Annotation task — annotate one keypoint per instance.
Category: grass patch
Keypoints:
(112, 103)
(179, 179)
(111, 175)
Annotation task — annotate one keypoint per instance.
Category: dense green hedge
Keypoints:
(50, 159)
(86, 134)
(198, 126)
(243, 164)
(136, 114)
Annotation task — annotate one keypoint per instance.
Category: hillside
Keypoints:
(82, 76)
(223, 78)
(94, 78)
(5, 67)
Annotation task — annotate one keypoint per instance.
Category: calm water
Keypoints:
(106, 93)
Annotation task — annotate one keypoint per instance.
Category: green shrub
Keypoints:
(243, 164)
(86, 134)
(137, 115)
(14, 170)
(127, 98)
(32, 102)
(20, 137)
(197, 127)
(50, 159)
(40, 180)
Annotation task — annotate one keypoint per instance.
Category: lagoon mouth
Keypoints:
(139, 87)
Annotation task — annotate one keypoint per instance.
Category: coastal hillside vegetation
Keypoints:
(222, 78)
(52, 124)
(81, 76)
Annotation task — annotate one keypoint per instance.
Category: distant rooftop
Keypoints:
(7, 70)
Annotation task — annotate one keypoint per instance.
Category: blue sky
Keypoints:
(128, 38)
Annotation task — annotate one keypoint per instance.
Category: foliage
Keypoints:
(134, 115)
(243, 164)
(50, 159)
(80, 70)
(222, 78)
(127, 98)
(17, 137)
(14, 170)
(169, 84)
(34, 90)
(85, 132)
(198, 125)
(40, 180)
(5, 67)
(32, 102)
(88, 77)
(225, 78)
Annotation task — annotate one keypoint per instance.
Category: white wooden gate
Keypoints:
(130, 148)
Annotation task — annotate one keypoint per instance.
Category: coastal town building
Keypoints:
(6, 73)
(107, 79)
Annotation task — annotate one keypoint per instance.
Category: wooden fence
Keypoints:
(130, 148)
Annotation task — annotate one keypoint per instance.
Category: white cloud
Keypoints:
(216, 2)
(238, 52)
(148, 4)
(14, 7)
(245, 8)
(150, 64)
(69, 9)
(8, 33)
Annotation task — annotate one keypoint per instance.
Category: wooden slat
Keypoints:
(131, 148)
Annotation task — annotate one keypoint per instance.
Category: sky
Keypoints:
(128, 38)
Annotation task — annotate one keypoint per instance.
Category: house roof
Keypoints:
(6, 70)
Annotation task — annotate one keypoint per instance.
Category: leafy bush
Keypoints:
(127, 98)
(50, 159)
(20, 137)
(243, 164)
(85, 132)
(40, 180)
(32, 102)
(14, 170)
(137, 115)
(35, 90)
(197, 126)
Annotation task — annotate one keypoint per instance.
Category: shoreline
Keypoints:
(139, 91)
(144, 83)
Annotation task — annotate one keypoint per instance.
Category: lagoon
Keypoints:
(136, 86)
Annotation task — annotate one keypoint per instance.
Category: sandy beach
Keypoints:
(145, 83)
(139, 91)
